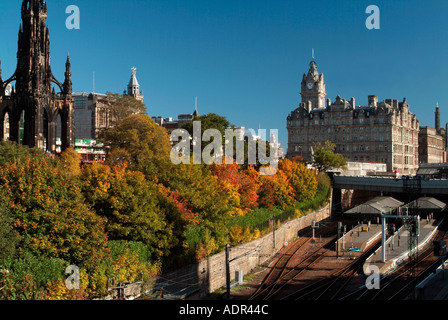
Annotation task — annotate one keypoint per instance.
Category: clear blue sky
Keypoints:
(244, 59)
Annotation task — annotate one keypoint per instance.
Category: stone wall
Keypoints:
(248, 256)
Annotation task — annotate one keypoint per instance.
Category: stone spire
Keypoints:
(1, 80)
(67, 86)
(34, 104)
(437, 118)
(133, 86)
(313, 87)
(33, 72)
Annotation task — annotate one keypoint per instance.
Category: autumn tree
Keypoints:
(275, 190)
(302, 179)
(51, 218)
(71, 161)
(135, 138)
(241, 185)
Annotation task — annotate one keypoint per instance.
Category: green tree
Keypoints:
(8, 236)
(209, 121)
(200, 192)
(220, 123)
(11, 152)
(325, 158)
(129, 203)
(122, 106)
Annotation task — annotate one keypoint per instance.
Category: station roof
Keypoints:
(426, 203)
(376, 206)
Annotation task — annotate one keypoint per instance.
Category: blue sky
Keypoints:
(244, 59)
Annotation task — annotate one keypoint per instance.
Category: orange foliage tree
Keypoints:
(242, 185)
(302, 179)
(52, 218)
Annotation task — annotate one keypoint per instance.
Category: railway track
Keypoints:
(399, 284)
(279, 269)
(289, 266)
(332, 287)
(293, 270)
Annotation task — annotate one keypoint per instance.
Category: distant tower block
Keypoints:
(134, 87)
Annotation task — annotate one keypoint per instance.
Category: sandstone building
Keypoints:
(92, 112)
(381, 131)
(430, 146)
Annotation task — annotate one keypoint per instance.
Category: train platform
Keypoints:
(360, 238)
(397, 247)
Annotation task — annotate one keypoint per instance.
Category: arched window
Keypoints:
(6, 127)
(22, 127)
(45, 130)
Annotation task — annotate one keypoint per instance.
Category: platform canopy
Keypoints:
(376, 206)
(426, 203)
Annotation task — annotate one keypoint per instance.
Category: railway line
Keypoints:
(399, 284)
(294, 262)
(298, 273)
(331, 287)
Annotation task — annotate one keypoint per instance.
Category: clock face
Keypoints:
(309, 85)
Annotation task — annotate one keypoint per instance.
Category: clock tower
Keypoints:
(313, 87)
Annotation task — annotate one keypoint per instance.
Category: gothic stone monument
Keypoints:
(33, 106)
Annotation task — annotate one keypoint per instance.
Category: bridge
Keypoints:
(415, 185)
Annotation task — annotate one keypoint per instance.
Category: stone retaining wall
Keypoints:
(248, 256)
